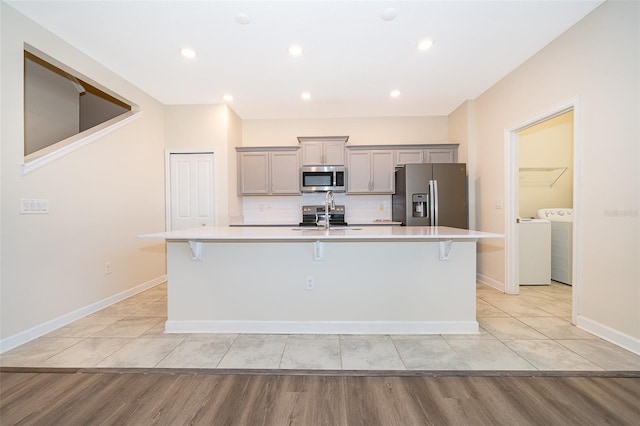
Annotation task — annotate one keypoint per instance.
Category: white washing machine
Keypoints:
(561, 242)
(534, 251)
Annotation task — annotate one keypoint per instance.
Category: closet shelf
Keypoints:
(541, 176)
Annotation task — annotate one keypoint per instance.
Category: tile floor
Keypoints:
(530, 331)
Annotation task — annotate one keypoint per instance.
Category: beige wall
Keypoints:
(234, 139)
(101, 197)
(461, 131)
(361, 131)
(598, 61)
(547, 145)
(210, 127)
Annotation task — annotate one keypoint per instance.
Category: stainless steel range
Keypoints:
(314, 216)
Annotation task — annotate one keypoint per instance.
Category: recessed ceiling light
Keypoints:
(188, 53)
(425, 44)
(295, 50)
(227, 98)
(394, 93)
(243, 19)
(306, 96)
(389, 14)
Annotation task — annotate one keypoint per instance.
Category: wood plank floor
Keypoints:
(145, 397)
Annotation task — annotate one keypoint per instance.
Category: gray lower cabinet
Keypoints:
(268, 171)
(370, 171)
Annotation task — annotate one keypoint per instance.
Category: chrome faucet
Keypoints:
(329, 205)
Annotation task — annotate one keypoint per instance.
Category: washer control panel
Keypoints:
(556, 214)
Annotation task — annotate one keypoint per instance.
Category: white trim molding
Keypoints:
(324, 327)
(73, 143)
(607, 333)
(484, 279)
(26, 336)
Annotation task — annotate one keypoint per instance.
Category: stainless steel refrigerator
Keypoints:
(431, 194)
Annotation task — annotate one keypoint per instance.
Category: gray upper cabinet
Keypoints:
(370, 171)
(409, 156)
(285, 172)
(253, 173)
(317, 151)
(268, 171)
(443, 153)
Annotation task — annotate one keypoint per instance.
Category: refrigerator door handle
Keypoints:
(435, 199)
(432, 203)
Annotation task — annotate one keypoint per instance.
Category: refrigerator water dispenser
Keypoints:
(420, 205)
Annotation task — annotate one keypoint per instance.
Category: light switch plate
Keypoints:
(34, 206)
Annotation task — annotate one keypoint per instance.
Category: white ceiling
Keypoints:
(352, 58)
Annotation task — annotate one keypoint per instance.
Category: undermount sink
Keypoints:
(320, 228)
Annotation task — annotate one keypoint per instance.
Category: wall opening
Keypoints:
(62, 107)
(513, 190)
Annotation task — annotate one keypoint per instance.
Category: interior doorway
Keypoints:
(190, 190)
(535, 180)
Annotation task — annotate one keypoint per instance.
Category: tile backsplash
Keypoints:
(287, 209)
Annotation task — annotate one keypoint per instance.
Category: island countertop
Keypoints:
(345, 280)
(349, 233)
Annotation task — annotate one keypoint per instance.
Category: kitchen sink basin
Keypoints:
(321, 229)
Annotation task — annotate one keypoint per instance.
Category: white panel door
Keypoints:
(191, 190)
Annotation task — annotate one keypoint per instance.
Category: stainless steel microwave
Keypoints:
(323, 178)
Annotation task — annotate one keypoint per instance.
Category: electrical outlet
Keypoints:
(107, 268)
(309, 284)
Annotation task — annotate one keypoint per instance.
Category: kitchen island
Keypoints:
(349, 280)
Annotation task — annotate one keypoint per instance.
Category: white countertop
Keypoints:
(377, 222)
(351, 233)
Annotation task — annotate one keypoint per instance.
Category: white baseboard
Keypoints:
(324, 327)
(490, 282)
(23, 337)
(607, 333)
